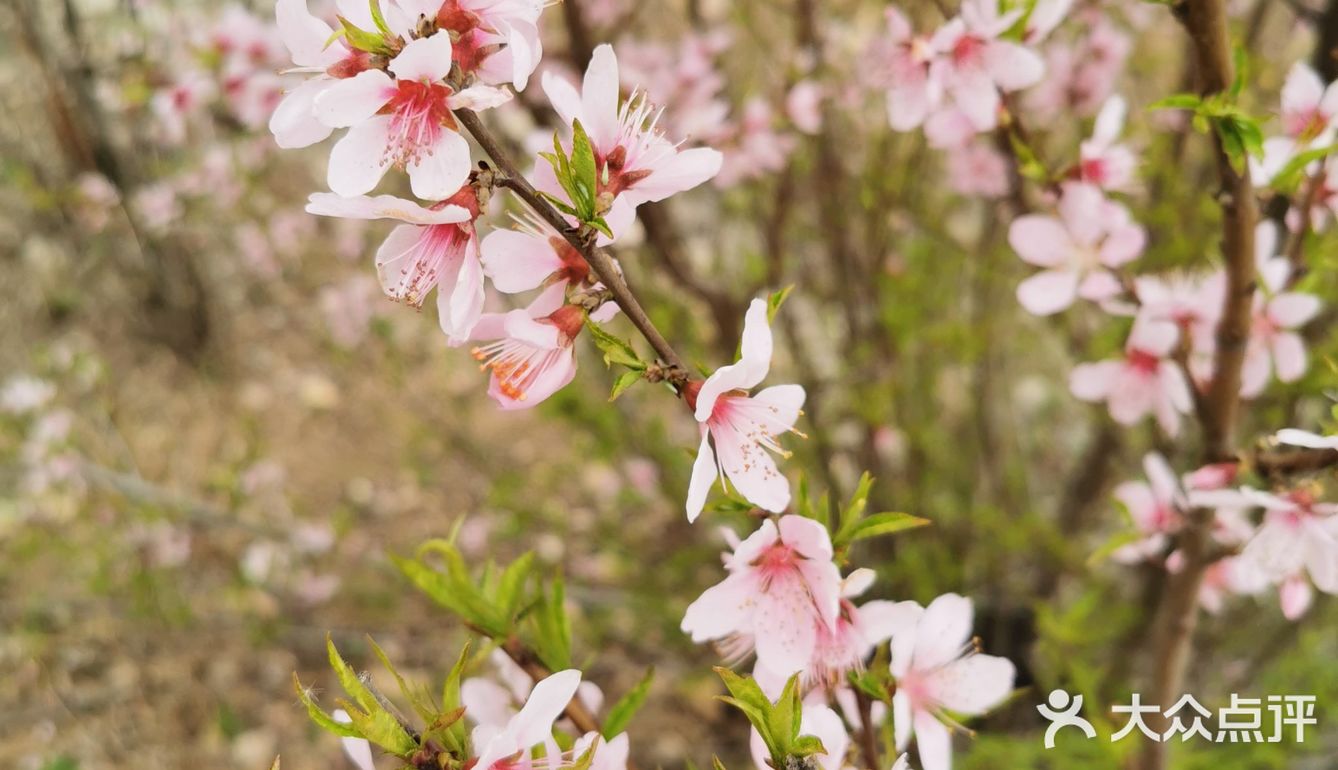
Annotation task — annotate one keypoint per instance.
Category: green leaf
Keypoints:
(455, 590)
(1178, 102)
(511, 586)
(383, 729)
(627, 706)
(583, 171)
(625, 380)
(363, 40)
(378, 19)
(1112, 545)
(615, 350)
(599, 224)
(1232, 144)
(418, 696)
(1241, 61)
(716, 764)
(318, 715)
(560, 204)
(775, 301)
(349, 679)
(553, 628)
(1290, 175)
(878, 524)
(777, 723)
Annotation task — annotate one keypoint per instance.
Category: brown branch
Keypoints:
(599, 260)
(868, 735)
(1206, 23)
(1280, 463)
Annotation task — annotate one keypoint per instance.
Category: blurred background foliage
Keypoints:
(216, 430)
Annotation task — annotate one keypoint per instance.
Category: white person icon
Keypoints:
(1062, 712)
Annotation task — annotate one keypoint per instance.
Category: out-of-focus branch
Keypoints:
(868, 734)
(1280, 463)
(598, 259)
(1206, 23)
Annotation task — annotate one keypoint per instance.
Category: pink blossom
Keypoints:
(636, 164)
(782, 585)
(508, 748)
(1044, 17)
(1144, 382)
(1155, 508)
(522, 259)
(404, 120)
(939, 670)
(978, 169)
(753, 147)
(803, 105)
(844, 646)
(1299, 535)
(901, 64)
(1104, 161)
(1308, 113)
(1274, 344)
(743, 429)
(531, 355)
(1078, 249)
(975, 64)
(1192, 302)
(1295, 597)
(1082, 76)
(436, 247)
(683, 79)
(492, 705)
(176, 103)
(294, 122)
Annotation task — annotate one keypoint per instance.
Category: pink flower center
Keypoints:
(968, 51)
(1142, 361)
(1307, 125)
(1094, 170)
(436, 248)
(517, 365)
(418, 115)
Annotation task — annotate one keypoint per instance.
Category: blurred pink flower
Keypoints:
(1144, 382)
(1104, 161)
(975, 63)
(743, 429)
(1078, 248)
(978, 169)
(1155, 506)
(1275, 345)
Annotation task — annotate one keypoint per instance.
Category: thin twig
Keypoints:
(599, 260)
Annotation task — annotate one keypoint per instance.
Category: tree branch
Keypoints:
(599, 260)
(1206, 23)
